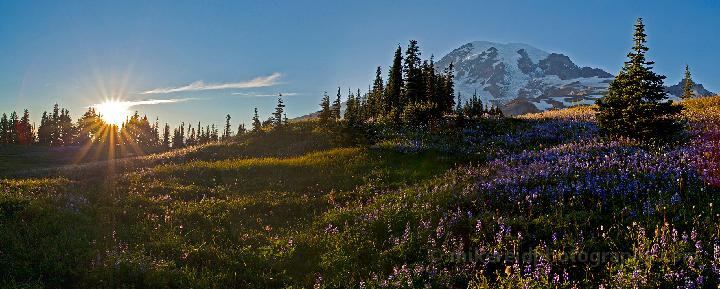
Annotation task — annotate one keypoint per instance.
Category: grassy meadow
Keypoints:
(538, 201)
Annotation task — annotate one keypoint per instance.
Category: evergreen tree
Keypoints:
(178, 139)
(241, 129)
(336, 106)
(44, 129)
(278, 114)
(636, 104)
(446, 95)
(376, 101)
(53, 126)
(687, 84)
(352, 110)
(192, 140)
(156, 133)
(66, 130)
(202, 134)
(182, 134)
(362, 104)
(394, 84)
(13, 132)
(88, 127)
(26, 135)
(474, 107)
(257, 126)
(138, 131)
(4, 130)
(166, 136)
(227, 131)
(206, 136)
(325, 112)
(413, 76)
(429, 78)
(213, 133)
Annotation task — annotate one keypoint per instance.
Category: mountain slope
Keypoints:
(520, 78)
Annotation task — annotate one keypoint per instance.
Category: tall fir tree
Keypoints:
(214, 133)
(636, 104)
(256, 125)
(44, 129)
(362, 105)
(65, 128)
(429, 79)
(688, 84)
(352, 110)
(474, 107)
(278, 114)
(336, 106)
(414, 88)
(393, 90)
(241, 129)
(26, 133)
(446, 95)
(14, 121)
(166, 136)
(54, 128)
(178, 139)
(182, 134)
(325, 113)
(191, 140)
(88, 127)
(227, 132)
(376, 100)
(4, 130)
(156, 133)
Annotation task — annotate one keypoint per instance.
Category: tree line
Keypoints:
(277, 120)
(58, 129)
(413, 93)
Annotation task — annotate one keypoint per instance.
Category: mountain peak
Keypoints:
(698, 89)
(502, 72)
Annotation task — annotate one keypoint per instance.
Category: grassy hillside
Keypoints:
(541, 201)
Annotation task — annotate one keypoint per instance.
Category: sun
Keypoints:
(113, 112)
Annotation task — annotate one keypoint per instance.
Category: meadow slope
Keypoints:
(542, 201)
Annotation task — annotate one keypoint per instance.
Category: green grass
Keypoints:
(228, 214)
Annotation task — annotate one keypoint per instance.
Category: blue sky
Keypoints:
(77, 53)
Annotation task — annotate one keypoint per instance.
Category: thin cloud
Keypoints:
(265, 94)
(160, 101)
(263, 81)
(131, 103)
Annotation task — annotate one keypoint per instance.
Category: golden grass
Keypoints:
(582, 112)
(696, 109)
(702, 109)
(322, 158)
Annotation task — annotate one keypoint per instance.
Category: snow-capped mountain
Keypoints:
(520, 78)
